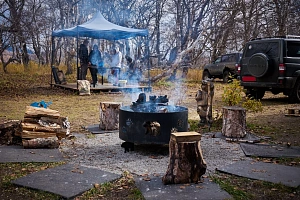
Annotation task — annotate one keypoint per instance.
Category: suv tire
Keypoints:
(255, 93)
(258, 64)
(206, 75)
(294, 97)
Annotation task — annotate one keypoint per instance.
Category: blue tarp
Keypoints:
(99, 28)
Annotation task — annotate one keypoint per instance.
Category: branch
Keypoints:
(190, 47)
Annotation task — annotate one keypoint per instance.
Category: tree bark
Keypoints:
(51, 142)
(234, 122)
(109, 115)
(186, 161)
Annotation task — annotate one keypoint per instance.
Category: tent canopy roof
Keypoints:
(99, 28)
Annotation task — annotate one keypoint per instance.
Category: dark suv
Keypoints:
(271, 64)
(222, 67)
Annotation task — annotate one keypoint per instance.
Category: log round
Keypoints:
(234, 122)
(109, 115)
(37, 143)
(186, 162)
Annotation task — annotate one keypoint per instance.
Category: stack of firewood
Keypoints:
(43, 128)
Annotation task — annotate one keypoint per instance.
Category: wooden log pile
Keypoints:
(43, 128)
(10, 132)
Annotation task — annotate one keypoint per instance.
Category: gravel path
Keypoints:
(104, 151)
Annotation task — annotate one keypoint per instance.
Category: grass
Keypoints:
(12, 171)
(122, 187)
(20, 87)
(235, 192)
(243, 188)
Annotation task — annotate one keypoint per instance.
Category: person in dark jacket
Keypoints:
(95, 59)
(84, 59)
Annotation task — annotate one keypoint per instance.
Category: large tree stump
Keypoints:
(109, 115)
(186, 161)
(234, 122)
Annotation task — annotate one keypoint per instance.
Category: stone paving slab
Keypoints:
(15, 153)
(96, 130)
(270, 172)
(270, 151)
(67, 180)
(156, 190)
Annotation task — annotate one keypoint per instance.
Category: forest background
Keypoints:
(210, 27)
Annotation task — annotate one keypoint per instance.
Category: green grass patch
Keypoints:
(235, 192)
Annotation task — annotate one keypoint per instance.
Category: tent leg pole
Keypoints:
(148, 52)
(52, 59)
(77, 71)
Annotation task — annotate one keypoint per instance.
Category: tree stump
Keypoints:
(186, 161)
(109, 115)
(234, 122)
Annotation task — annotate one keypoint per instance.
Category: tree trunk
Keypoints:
(234, 122)
(109, 115)
(186, 161)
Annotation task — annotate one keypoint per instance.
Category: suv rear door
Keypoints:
(291, 57)
(260, 62)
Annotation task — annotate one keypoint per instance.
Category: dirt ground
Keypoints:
(18, 91)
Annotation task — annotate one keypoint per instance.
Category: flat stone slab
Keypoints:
(270, 172)
(155, 189)
(96, 130)
(67, 180)
(19, 154)
(270, 151)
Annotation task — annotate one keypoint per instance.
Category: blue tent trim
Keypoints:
(99, 28)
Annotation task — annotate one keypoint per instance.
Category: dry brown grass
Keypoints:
(19, 89)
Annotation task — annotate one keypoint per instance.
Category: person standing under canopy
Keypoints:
(116, 61)
(83, 55)
(95, 59)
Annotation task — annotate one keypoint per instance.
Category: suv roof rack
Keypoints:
(283, 36)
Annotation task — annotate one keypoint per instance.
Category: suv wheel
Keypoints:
(258, 65)
(256, 93)
(294, 97)
(206, 75)
(226, 76)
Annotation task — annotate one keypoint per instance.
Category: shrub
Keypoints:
(234, 95)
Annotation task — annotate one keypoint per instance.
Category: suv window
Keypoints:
(271, 49)
(225, 58)
(293, 49)
(218, 60)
